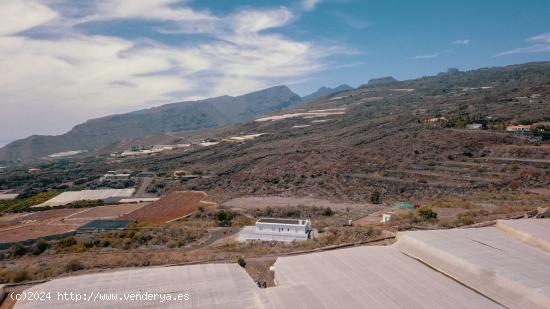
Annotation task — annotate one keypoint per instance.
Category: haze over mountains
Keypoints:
(174, 117)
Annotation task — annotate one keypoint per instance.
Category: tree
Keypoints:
(241, 262)
(224, 217)
(375, 197)
(426, 213)
(40, 246)
(18, 250)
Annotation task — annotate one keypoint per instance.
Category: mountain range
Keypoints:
(174, 117)
(403, 139)
(325, 91)
(409, 139)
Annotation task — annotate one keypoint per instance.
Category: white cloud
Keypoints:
(147, 9)
(541, 38)
(461, 42)
(427, 56)
(62, 79)
(538, 44)
(20, 15)
(253, 21)
(309, 5)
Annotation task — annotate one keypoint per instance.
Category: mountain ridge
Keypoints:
(172, 117)
(325, 91)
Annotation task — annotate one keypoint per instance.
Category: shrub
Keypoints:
(426, 213)
(40, 246)
(18, 250)
(241, 262)
(74, 265)
(172, 244)
(224, 217)
(66, 242)
(17, 276)
(327, 212)
(464, 219)
(375, 197)
(79, 248)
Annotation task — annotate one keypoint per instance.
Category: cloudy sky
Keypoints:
(65, 61)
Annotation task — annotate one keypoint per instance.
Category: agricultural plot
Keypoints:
(8, 196)
(73, 196)
(171, 207)
(308, 114)
(19, 227)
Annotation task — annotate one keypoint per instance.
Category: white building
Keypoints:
(474, 126)
(386, 217)
(269, 229)
(518, 128)
(114, 177)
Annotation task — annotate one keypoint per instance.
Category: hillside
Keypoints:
(383, 141)
(175, 117)
(346, 146)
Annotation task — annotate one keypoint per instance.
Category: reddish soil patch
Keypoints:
(106, 212)
(173, 206)
(57, 221)
(31, 231)
(51, 214)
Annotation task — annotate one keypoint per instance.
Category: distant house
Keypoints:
(145, 174)
(437, 119)
(185, 175)
(274, 229)
(402, 205)
(386, 217)
(113, 176)
(518, 128)
(474, 126)
(34, 170)
(179, 173)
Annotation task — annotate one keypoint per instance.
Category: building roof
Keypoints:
(105, 225)
(281, 221)
(488, 260)
(486, 268)
(101, 194)
(402, 205)
(209, 286)
(365, 277)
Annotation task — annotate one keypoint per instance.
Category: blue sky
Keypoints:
(71, 60)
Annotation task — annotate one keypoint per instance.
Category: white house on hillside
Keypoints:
(277, 229)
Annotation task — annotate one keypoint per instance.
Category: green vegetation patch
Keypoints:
(24, 204)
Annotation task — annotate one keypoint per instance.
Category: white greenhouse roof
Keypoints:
(487, 260)
(459, 268)
(366, 277)
(73, 196)
(208, 286)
